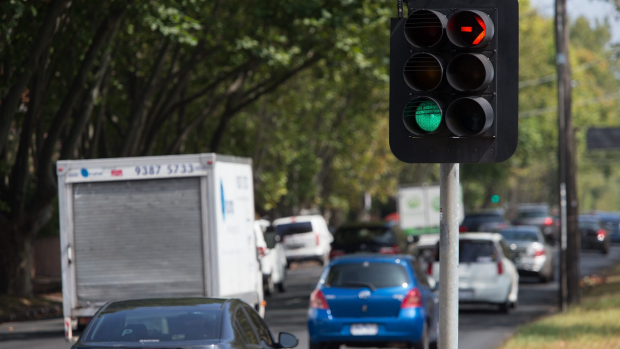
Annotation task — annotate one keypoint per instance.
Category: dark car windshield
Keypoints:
(293, 228)
(482, 218)
(520, 235)
(357, 235)
(366, 274)
(178, 324)
(533, 213)
(473, 251)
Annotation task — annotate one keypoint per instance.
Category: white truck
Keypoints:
(419, 208)
(150, 227)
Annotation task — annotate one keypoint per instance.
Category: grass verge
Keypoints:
(595, 324)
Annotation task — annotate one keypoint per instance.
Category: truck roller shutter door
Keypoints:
(138, 239)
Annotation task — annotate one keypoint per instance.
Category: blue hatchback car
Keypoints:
(373, 300)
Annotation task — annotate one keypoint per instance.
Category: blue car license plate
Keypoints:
(364, 329)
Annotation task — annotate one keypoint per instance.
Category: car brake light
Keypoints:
(336, 253)
(429, 271)
(539, 253)
(261, 251)
(548, 221)
(500, 268)
(394, 249)
(412, 300)
(318, 301)
(600, 234)
(463, 229)
(316, 237)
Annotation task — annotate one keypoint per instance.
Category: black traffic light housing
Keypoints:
(454, 68)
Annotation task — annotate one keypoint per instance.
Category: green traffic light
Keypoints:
(495, 199)
(428, 116)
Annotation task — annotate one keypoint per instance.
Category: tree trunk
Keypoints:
(16, 254)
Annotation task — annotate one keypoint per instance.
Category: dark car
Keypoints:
(611, 223)
(180, 323)
(383, 238)
(593, 233)
(538, 215)
(483, 222)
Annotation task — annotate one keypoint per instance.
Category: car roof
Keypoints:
(367, 225)
(370, 257)
(532, 228)
(203, 302)
(296, 219)
(589, 218)
(480, 236)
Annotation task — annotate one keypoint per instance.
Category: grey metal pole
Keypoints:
(449, 257)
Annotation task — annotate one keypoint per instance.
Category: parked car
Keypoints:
(383, 238)
(611, 223)
(180, 322)
(593, 233)
(272, 257)
(539, 215)
(487, 275)
(304, 238)
(373, 300)
(532, 255)
(484, 222)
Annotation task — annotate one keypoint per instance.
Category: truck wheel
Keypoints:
(270, 288)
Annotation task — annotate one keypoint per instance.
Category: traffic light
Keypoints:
(454, 81)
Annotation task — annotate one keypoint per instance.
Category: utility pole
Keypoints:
(570, 242)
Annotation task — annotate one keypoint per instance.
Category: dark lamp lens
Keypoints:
(469, 116)
(425, 28)
(470, 72)
(423, 72)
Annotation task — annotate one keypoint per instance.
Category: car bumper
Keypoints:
(529, 265)
(406, 328)
(304, 254)
(484, 292)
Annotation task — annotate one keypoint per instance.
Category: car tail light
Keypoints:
(316, 238)
(412, 300)
(261, 251)
(318, 301)
(601, 234)
(548, 221)
(500, 268)
(394, 249)
(463, 229)
(336, 253)
(429, 271)
(538, 253)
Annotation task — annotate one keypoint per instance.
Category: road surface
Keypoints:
(478, 328)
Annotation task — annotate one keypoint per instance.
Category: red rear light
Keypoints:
(463, 229)
(429, 271)
(336, 253)
(500, 268)
(601, 234)
(539, 253)
(548, 221)
(261, 251)
(394, 249)
(412, 300)
(316, 238)
(318, 301)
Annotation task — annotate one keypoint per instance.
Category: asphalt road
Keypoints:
(479, 328)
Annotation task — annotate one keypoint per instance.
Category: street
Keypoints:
(479, 328)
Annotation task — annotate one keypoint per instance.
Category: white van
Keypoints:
(272, 257)
(304, 238)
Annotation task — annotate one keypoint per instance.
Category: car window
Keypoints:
(353, 235)
(294, 228)
(593, 225)
(476, 251)
(520, 235)
(419, 274)
(486, 218)
(246, 327)
(533, 213)
(259, 325)
(171, 324)
(357, 275)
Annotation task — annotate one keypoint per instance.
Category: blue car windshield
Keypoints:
(145, 326)
(367, 274)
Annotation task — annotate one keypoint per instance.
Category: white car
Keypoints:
(304, 238)
(271, 256)
(486, 272)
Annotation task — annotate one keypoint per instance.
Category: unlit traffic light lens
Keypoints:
(422, 116)
(469, 116)
(423, 72)
(470, 29)
(470, 72)
(425, 28)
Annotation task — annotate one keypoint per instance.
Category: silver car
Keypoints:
(531, 253)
